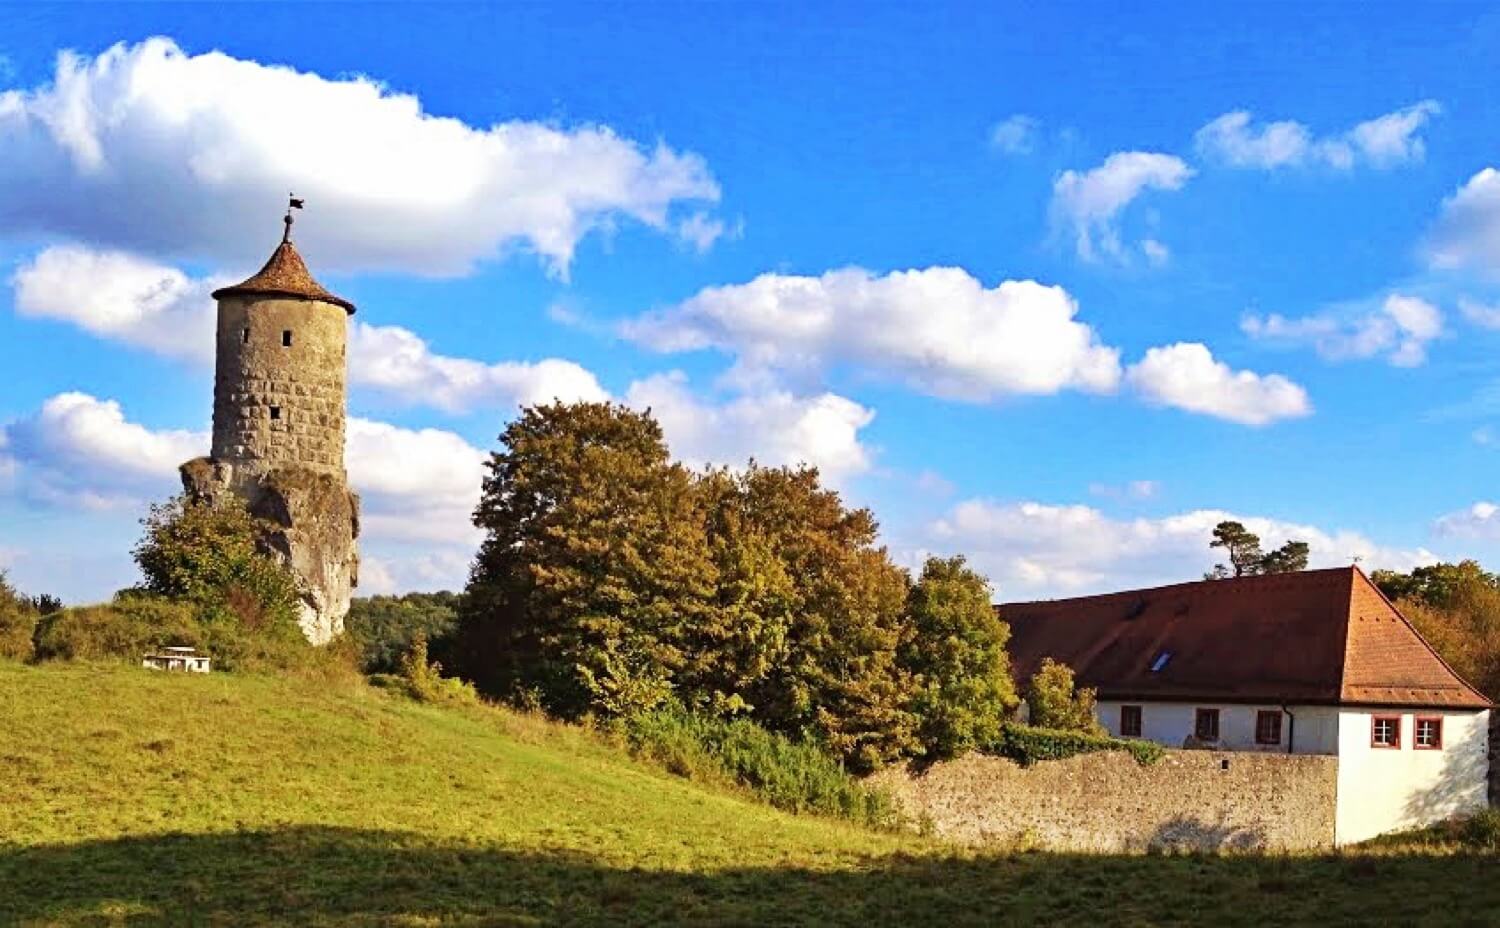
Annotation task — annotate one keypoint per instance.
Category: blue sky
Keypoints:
(1054, 287)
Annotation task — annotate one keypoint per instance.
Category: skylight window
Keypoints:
(1161, 661)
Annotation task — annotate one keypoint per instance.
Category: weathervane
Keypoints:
(292, 202)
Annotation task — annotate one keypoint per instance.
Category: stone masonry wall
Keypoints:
(1106, 802)
(303, 382)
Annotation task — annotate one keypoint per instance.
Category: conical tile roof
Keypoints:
(285, 274)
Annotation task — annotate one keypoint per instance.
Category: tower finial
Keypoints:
(292, 202)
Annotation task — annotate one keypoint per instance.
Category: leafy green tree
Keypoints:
(209, 555)
(1055, 703)
(1246, 558)
(1242, 546)
(809, 616)
(1456, 607)
(957, 656)
(1436, 584)
(17, 622)
(594, 568)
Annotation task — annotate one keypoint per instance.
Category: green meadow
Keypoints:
(129, 797)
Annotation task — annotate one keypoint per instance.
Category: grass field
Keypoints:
(129, 797)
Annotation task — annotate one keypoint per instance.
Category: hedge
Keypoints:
(1026, 745)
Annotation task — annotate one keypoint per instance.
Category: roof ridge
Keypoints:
(1224, 583)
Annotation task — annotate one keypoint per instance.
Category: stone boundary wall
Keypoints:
(1106, 802)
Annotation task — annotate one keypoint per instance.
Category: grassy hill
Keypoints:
(129, 797)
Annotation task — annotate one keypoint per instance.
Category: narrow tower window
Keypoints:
(245, 335)
(275, 412)
(286, 338)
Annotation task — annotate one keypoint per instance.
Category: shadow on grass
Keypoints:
(342, 877)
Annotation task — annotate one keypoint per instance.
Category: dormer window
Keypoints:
(286, 338)
(1161, 661)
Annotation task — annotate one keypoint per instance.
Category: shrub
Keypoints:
(1027, 744)
(17, 623)
(796, 776)
(1054, 703)
(423, 680)
(126, 628)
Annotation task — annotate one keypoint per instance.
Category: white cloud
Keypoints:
(774, 427)
(1481, 520)
(418, 485)
(939, 329)
(1187, 376)
(80, 451)
(401, 364)
(1234, 139)
(1467, 231)
(121, 297)
(1400, 329)
(404, 571)
(148, 148)
(1089, 203)
(1032, 549)
(160, 309)
(1015, 135)
(1482, 315)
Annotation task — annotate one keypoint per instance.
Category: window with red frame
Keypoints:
(1267, 727)
(1206, 725)
(1385, 731)
(1130, 721)
(1427, 734)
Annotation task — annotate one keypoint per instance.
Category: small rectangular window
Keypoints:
(1130, 721)
(1427, 734)
(1385, 731)
(275, 412)
(1161, 661)
(245, 335)
(1268, 727)
(1206, 725)
(286, 338)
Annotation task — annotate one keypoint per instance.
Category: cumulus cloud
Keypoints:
(121, 297)
(1033, 550)
(1400, 330)
(1481, 520)
(1089, 203)
(418, 485)
(939, 329)
(389, 186)
(401, 364)
(1236, 140)
(1187, 376)
(160, 309)
(774, 427)
(1467, 231)
(81, 451)
(1015, 135)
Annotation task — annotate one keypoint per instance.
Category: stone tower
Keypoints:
(278, 443)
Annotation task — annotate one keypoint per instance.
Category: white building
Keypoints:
(177, 658)
(1315, 662)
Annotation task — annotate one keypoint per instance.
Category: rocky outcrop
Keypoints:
(312, 521)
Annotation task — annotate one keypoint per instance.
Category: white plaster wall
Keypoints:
(1387, 789)
(1170, 723)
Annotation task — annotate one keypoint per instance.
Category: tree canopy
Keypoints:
(1246, 558)
(1456, 607)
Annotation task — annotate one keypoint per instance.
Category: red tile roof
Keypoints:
(1316, 636)
(285, 274)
